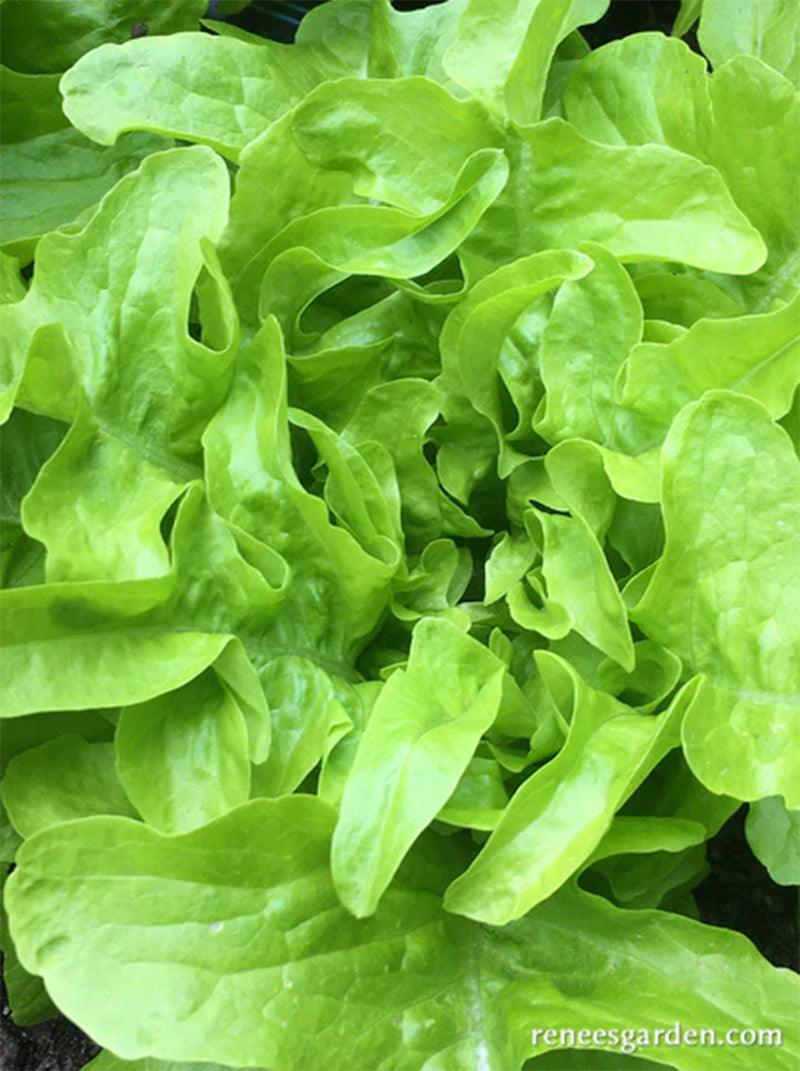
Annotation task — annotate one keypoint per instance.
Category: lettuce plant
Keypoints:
(401, 529)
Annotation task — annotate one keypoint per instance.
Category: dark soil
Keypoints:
(738, 893)
(631, 16)
(56, 1045)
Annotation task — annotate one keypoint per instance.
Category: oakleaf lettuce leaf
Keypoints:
(411, 756)
(217, 91)
(770, 31)
(742, 120)
(211, 915)
(607, 746)
(76, 174)
(773, 832)
(52, 36)
(724, 594)
(399, 498)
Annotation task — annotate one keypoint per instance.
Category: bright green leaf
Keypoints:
(183, 757)
(773, 832)
(725, 593)
(411, 755)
